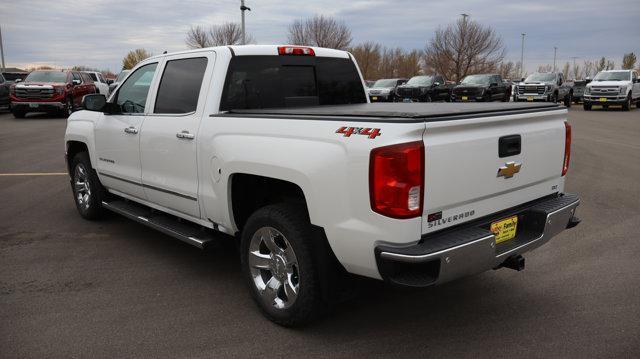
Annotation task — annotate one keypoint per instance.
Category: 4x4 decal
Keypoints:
(372, 133)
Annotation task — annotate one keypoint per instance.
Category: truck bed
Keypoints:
(397, 112)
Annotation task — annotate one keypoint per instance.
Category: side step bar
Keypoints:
(183, 230)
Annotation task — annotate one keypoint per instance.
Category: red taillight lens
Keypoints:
(396, 180)
(567, 148)
(296, 51)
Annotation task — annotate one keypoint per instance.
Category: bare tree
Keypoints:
(589, 68)
(463, 48)
(368, 57)
(133, 57)
(629, 61)
(228, 33)
(320, 30)
(565, 70)
(545, 68)
(605, 64)
(197, 37)
(577, 72)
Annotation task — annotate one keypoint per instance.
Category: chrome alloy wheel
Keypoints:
(274, 268)
(81, 186)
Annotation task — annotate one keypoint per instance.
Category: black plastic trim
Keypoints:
(150, 187)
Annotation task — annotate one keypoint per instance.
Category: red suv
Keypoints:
(50, 91)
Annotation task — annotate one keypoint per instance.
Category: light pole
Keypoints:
(522, 57)
(1, 50)
(242, 10)
(555, 50)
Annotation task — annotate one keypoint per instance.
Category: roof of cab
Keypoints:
(254, 50)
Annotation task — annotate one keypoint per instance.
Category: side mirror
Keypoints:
(436, 84)
(17, 80)
(109, 81)
(94, 102)
(587, 80)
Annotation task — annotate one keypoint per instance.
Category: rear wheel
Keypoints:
(87, 189)
(68, 108)
(277, 261)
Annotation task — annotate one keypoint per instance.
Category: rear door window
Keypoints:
(255, 82)
(180, 85)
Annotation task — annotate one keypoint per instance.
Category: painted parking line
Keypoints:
(34, 174)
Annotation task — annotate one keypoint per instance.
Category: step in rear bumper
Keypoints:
(471, 249)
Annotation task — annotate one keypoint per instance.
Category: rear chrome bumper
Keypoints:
(471, 249)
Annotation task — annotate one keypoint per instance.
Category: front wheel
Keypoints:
(586, 106)
(87, 189)
(626, 106)
(277, 262)
(18, 113)
(568, 100)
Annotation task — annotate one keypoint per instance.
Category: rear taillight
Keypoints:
(567, 148)
(396, 180)
(296, 51)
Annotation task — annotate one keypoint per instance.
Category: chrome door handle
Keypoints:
(132, 130)
(185, 135)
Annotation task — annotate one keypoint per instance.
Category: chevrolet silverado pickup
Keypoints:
(278, 148)
(612, 87)
(545, 86)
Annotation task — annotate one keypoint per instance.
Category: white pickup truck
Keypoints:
(278, 147)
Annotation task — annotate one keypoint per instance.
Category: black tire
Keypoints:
(554, 99)
(506, 97)
(18, 113)
(295, 227)
(89, 207)
(626, 106)
(568, 100)
(586, 106)
(68, 108)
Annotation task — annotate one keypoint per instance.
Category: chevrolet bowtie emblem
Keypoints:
(509, 169)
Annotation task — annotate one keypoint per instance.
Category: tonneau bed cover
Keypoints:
(400, 112)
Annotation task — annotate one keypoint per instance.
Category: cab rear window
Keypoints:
(255, 82)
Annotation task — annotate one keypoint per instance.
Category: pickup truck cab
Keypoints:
(424, 89)
(547, 87)
(278, 147)
(612, 87)
(59, 92)
(481, 87)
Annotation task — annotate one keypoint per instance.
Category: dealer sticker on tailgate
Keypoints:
(505, 229)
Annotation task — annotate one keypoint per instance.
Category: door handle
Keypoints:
(132, 130)
(185, 135)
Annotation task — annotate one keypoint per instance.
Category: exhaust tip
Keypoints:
(514, 262)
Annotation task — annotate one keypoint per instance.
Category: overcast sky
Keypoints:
(98, 33)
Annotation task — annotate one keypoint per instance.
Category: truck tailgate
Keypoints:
(463, 177)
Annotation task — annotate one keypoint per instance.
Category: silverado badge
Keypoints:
(509, 169)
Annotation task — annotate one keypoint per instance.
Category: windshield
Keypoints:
(477, 79)
(122, 75)
(613, 76)
(541, 77)
(47, 76)
(384, 83)
(420, 81)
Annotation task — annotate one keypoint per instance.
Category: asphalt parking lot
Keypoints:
(73, 288)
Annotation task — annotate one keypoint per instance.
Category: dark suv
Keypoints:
(424, 89)
(50, 91)
(482, 87)
(4, 93)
